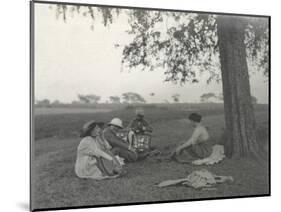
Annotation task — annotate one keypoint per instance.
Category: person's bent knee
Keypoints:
(130, 156)
(115, 151)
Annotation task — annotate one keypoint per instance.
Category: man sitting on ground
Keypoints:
(119, 146)
(139, 125)
(140, 132)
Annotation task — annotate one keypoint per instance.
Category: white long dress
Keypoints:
(86, 163)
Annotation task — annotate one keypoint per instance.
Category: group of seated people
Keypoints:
(101, 146)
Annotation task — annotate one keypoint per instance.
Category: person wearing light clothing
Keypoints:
(198, 145)
(91, 148)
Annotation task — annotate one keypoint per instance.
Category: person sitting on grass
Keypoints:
(119, 146)
(139, 125)
(197, 146)
(91, 152)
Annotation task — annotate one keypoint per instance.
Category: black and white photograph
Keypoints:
(133, 105)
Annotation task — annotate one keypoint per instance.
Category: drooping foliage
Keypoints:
(183, 44)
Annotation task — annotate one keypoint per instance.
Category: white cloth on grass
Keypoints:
(198, 179)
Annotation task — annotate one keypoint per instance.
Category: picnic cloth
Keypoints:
(216, 156)
(198, 179)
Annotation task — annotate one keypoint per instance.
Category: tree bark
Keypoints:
(238, 108)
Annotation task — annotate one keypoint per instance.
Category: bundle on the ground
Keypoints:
(198, 179)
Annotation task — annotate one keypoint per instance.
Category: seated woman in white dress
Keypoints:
(197, 146)
(91, 149)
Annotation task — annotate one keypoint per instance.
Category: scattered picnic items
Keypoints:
(198, 179)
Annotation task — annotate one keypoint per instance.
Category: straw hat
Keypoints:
(90, 125)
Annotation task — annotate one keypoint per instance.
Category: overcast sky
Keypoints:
(72, 59)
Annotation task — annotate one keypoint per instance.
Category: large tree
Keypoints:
(239, 113)
(186, 44)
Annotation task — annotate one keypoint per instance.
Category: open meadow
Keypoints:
(57, 137)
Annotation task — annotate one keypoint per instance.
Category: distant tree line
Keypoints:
(131, 98)
(209, 97)
(127, 98)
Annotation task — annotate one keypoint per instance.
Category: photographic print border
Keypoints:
(31, 108)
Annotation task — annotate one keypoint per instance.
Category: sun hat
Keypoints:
(88, 126)
(195, 117)
(140, 111)
(116, 122)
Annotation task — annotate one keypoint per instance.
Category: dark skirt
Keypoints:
(195, 152)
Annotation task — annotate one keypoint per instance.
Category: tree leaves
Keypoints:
(256, 40)
(181, 49)
(182, 44)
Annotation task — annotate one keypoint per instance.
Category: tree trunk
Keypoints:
(238, 108)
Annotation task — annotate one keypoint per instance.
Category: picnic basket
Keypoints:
(141, 142)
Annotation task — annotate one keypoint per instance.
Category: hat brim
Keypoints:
(85, 130)
(110, 124)
(84, 133)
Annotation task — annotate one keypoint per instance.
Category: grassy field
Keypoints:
(55, 183)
